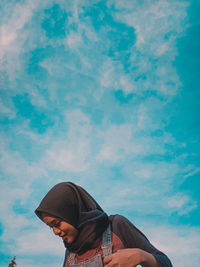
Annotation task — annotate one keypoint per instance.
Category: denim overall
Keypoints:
(96, 261)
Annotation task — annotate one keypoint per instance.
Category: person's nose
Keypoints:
(56, 231)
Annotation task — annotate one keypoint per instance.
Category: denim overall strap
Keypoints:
(107, 242)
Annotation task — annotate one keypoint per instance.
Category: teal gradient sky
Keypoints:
(104, 94)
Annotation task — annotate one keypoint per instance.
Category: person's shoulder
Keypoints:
(118, 219)
(118, 222)
(121, 226)
(124, 229)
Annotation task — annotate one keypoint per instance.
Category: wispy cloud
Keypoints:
(182, 204)
(71, 154)
(46, 242)
(180, 244)
(118, 143)
(155, 48)
(13, 36)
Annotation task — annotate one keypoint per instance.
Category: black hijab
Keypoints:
(74, 205)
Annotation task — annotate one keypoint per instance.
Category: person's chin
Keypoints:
(68, 241)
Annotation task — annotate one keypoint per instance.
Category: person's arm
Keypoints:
(137, 245)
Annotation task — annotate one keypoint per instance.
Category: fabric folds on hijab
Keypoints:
(74, 205)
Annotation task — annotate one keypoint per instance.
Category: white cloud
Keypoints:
(150, 119)
(143, 173)
(7, 111)
(124, 192)
(158, 22)
(118, 143)
(79, 124)
(34, 136)
(126, 140)
(36, 241)
(71, 154)
(39, 241)
(143, 117)
(181, 203)
(157, 26)
(11, 221)
(12, 165)
(151, 189)
(67, 156)
(112, 76)
(13, 35)
(6, 37)
(17, 176)
(74, 39)
(180, 243)
(107, 78)
(48, 64)
(81, 100)
(126, 84)
(194, 170)
(157, 171)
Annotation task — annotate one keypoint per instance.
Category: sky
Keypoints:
(104, 94)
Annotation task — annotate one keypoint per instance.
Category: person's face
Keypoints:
(61, 228)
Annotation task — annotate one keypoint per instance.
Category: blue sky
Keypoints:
(104, 94)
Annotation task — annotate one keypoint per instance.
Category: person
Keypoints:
(90, 237)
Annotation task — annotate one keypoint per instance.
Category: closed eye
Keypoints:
(54, 224)
(57, 224)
